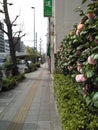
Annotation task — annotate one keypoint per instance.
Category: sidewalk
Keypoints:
(38, 110)
(43, 108)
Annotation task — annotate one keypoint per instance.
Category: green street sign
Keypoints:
(47, 8)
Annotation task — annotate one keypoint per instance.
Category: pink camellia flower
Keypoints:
(70, 67)
(77, 32)
(80, 78)
(80, 26)
(91, 61)
(79, 67)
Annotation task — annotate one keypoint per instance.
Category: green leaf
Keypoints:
(96, 37)
(90, 73)
(96, 104)
(96, 57)
(83, 1)
(80, 47)
(95, 97)
(88, 100)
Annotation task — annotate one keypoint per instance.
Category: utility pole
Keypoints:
(36, 41)
(34, 26)
(40, 46)
(36, 45)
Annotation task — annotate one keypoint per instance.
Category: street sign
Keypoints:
(47, 8)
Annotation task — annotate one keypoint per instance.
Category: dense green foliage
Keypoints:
(11, 82)
(74, 114)
(31, 67)
(78, 54)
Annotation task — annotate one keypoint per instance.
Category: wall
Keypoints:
(65, 17)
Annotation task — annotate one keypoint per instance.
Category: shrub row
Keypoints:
(74, 113)
(11, 82)
(78, 53)
(31, 67)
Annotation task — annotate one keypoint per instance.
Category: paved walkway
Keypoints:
(33, 105)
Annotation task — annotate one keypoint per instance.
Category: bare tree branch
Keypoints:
(14, 34)
(4, 31)
(19, 37)
(15, 19)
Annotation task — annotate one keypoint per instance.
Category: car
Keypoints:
(30, 62)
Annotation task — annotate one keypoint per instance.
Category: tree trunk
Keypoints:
(10, 37)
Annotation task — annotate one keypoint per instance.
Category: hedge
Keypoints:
(74, 113)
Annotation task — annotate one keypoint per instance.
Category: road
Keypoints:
(31, 105)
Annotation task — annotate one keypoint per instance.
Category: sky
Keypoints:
(25, 22)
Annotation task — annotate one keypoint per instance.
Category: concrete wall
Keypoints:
(65, 17)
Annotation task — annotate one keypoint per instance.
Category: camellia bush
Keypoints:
(78, 54)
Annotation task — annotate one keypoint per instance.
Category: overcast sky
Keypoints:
(26, 20)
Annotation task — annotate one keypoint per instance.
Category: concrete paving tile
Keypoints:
(45, 117)
(44, 111)
(35, 106)
(33, 112)
(31, 118)
(4, 124)
(30, 126)
(44, 129)
(45, 125)
(28, 129)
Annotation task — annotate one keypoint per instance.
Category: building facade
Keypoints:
(7, 49)
(19, 46)
(61, 22)
(2, 46)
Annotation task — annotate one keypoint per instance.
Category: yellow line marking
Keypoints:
(18, 120)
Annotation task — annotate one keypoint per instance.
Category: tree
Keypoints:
(11, 35)
(32, 54)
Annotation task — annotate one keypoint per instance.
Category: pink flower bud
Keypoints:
(91, 61)
(70, 67)
(77, 32)
(79, 69)
(80, 26)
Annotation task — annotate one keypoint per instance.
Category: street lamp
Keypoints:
(34, 25)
